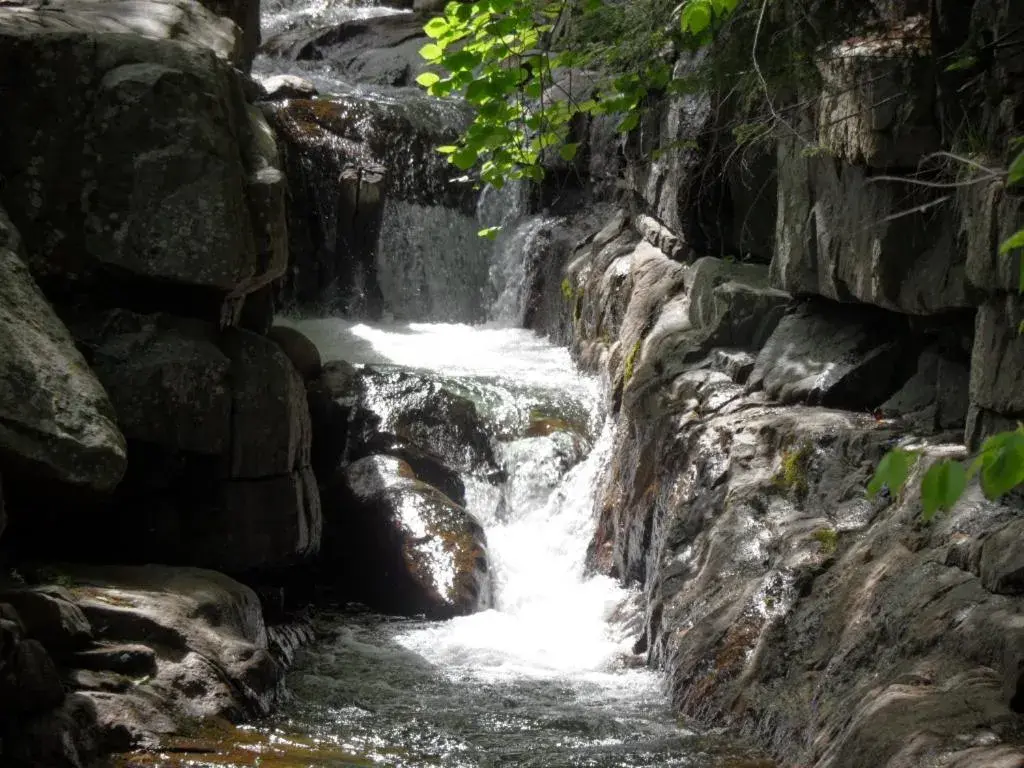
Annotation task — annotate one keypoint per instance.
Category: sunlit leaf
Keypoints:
(436, 27)
(568, 151)
(1002, 463)
(696, 17)
(431, 52)
(628, 123)
(942, 486)
(464, 158)
(489, 232)
(892, 472)
(427, 79)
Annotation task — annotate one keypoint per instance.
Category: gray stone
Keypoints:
(66, 737)
(55, 416)
(173, 20)
(734, 302)
(819, 355)
(206, 634)
(989, 217)
(1002, 560)
(168, 378)
(872, 112)
(997, 360)
(194, 218)
(845, 236)
(3, 512)
(49, 615)
(126, 659)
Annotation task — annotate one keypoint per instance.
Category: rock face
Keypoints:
(193, 223)
(55, 416)
(778, 597)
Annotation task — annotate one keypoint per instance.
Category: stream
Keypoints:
(548, 677)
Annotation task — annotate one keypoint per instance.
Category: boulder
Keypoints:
(300, 350)
(50, 615)
(194, 641)
(426, 412)
(175, 20)
(3, 512)
(1002, 560)
(55, 417)
(425, 466)
(990, 215)
(246, 16)
(66, 737)
(191, 223)
(400, 545)
(828, 356)
(997, 378)
(935, 397)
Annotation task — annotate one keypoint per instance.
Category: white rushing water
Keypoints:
(550, 619)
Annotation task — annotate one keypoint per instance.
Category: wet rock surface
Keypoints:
(782, 601)
(402, 546)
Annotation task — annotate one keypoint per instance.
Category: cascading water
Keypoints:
(546, 678)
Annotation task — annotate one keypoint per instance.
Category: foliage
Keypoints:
(631, 362)
(510, 60)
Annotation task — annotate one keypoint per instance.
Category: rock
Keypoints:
(870, 113)
(55, 417)
(29, 681)
(270, 419)
(734, 302)
(1002, 560)
(49, 615)
(195, 220)
(246, 16)
(820, 355)
(832, 215)
(997, 379)
(425, 467)
(400, 545)
(989, 217)
(167, 376)
(67, 737)
(205, 634)
(281, 87)
(3, 513)
(427, 413)
(172, 20)
(380, 50)
(935, 397)
(300, 350)
(129, 660)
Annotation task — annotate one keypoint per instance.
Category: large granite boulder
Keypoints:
(997, 381)
(55, 417)
(219, 442)
(136, 170)
(399, 545)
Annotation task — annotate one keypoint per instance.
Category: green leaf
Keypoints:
(447, 149)
(964, 62)
(427, 79)
(436, 27)
(489, 232)
(628, 123)
(696, 17)
(892, 472)
(942, 486)
(568, 151)
(431, 52)
(1016, 240)
(464, 158)
(1002, 463)
(1016, 172)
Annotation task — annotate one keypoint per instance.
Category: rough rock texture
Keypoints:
(172, 645)
(837, 630)
(379, 50)
(191, 224)
(400, 545)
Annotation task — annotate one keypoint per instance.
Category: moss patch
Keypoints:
(792, 475)
(631, 362)
(828, 540)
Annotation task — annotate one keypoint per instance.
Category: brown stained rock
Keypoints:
(400, 545)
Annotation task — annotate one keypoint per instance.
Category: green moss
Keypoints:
(631, 362)
(567, 292)
(792, 475)
(828, 539)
